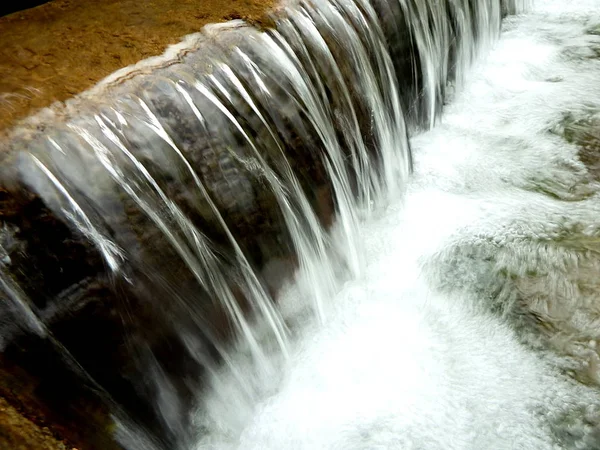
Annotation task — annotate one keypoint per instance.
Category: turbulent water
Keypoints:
(416, 353)
(454, 307)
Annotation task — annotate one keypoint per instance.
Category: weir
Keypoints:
(151, 224)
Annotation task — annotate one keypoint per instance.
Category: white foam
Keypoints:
(396, 364)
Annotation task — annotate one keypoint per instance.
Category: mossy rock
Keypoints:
(594, 30)
(582, 53)
(583, 131)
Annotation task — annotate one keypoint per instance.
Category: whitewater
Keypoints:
(432, 346)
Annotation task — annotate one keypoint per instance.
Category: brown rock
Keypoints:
(64, 47)
(19, 433)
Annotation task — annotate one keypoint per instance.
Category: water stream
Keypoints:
(417, 353)
(355, 229)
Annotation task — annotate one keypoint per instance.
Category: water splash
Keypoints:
(476, 323)
(253, 149)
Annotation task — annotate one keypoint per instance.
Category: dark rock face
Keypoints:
(125, 224)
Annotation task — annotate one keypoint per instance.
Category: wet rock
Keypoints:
(594, 30)
(543, 281)
(583, 130)
(19, 433)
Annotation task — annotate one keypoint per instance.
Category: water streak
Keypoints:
(198, 181)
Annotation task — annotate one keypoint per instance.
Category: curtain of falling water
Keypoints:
(194, 181)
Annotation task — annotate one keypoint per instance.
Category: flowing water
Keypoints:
(415, 353)
(419, 311)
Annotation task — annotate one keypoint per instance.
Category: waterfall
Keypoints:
(192, 190)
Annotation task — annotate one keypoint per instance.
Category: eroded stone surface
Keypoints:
(57, 50)
(19, 433)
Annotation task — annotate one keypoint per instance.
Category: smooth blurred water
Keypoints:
(417, 352)
(409, 160)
